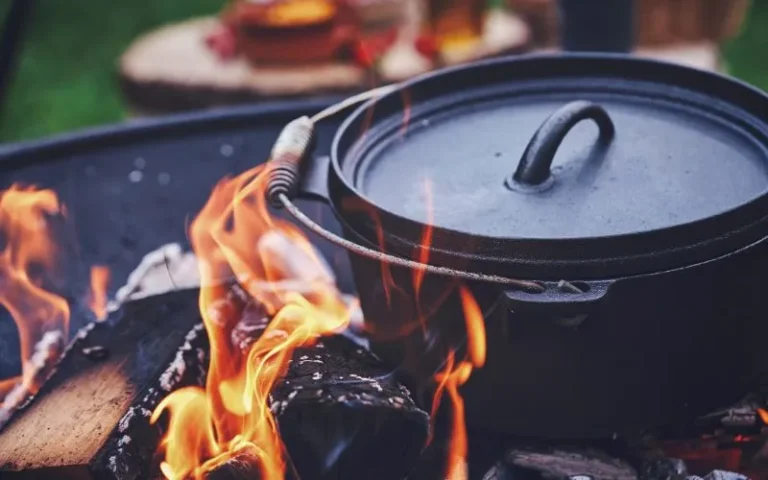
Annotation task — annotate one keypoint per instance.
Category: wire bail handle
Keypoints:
(295, 143)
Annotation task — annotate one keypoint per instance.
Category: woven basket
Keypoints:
(658, 22)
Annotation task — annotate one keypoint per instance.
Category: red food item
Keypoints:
(427, 46)
(223, 42)
(364, 55)
(368, 51)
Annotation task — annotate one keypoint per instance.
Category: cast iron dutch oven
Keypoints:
(629, 194)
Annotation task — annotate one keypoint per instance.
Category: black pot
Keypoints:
(645, 236)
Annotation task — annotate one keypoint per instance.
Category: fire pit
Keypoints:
(248, 360)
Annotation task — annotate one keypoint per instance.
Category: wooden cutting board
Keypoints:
(172, 69)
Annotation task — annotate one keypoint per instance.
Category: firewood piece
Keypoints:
(172, 69)
(342, 414)
(663, 467)
(560, 463)
(243, 466)
(85, 405)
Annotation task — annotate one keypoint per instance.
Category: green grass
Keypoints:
(746, 55)
(65, 79)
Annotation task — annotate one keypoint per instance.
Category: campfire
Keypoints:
(272, 315)
(265, 294)
(242, 359)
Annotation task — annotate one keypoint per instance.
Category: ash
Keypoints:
(42, 365)
(175, 371)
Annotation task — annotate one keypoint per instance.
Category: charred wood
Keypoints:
(243, 466)
(343, 415)
(561, 464)
(341, 412)
(93, 406)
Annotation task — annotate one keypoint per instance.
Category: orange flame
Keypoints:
(454, 376)
(28, 256)
(763, 415)
(97, 300)
(231, 238)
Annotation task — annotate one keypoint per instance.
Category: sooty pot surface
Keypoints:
(630, 192)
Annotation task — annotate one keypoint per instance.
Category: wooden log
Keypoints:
(560, 464)
(341, 412)
(243, 466)
(81, 410)
(339, 409)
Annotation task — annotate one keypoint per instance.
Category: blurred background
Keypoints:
(72, 64)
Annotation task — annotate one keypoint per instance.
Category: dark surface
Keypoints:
(341, 412)
(560, 362)
(118, 221)
(347, 415)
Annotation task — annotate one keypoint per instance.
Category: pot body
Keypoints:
(655, 350)
(652, 328)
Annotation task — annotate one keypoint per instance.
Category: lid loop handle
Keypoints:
(534, 167)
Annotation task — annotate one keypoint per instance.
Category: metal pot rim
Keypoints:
(596, 257)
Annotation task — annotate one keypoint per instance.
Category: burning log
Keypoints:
(243, 466)
(340, 411)
(94, 405)
(560, 464)
(343, 415)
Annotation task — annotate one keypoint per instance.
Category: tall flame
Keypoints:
(29, 263)
(97, 299)
(454, 375)
(208, 427)
(28, 256)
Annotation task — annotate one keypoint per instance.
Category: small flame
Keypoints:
(208, 427)
(453, 376)
(27, 258)
(763, 415)
(97, 300)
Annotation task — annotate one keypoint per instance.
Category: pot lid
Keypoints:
(562, 148)
(578, 166)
